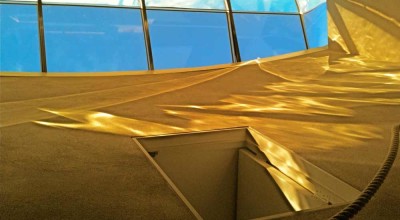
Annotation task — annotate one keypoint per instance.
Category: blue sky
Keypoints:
(111, 39)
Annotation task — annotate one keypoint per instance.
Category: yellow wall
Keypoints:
(369, 28)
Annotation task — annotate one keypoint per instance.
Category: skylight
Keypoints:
(121, 35)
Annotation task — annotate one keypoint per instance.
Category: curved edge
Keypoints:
(147, 72)
(358, 204)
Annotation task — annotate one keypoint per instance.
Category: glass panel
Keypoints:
(93, 39)
(307, 5)
(188, 39)
(264, 5)
(264, 35)
(18, 0)
(200, 4)
(316, 25)
(96, 2)
(19, 41)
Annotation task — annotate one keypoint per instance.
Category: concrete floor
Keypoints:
(66, 149)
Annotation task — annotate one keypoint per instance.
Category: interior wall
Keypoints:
(365, 27)
(206, 175)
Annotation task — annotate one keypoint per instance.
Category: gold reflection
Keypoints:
(278, 104)
(324, 100)
(296, 175)
(294, 193)
(361, 65)
(318, 112)
(29, 110)
(303, 173)
(361, 28)
(330, 89)
(104, 122)
(316, 99)
(289, 189)
(293, 69)
(378, 13)
(308, 134)
(350, 86)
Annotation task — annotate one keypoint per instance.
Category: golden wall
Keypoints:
(368, 28)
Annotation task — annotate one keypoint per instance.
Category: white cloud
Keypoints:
(203, 4)
(129, 28)
(97, 2)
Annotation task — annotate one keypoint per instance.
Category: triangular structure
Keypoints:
(239, 173)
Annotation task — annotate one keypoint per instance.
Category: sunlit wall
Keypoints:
(124, 35)
(368, 28)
